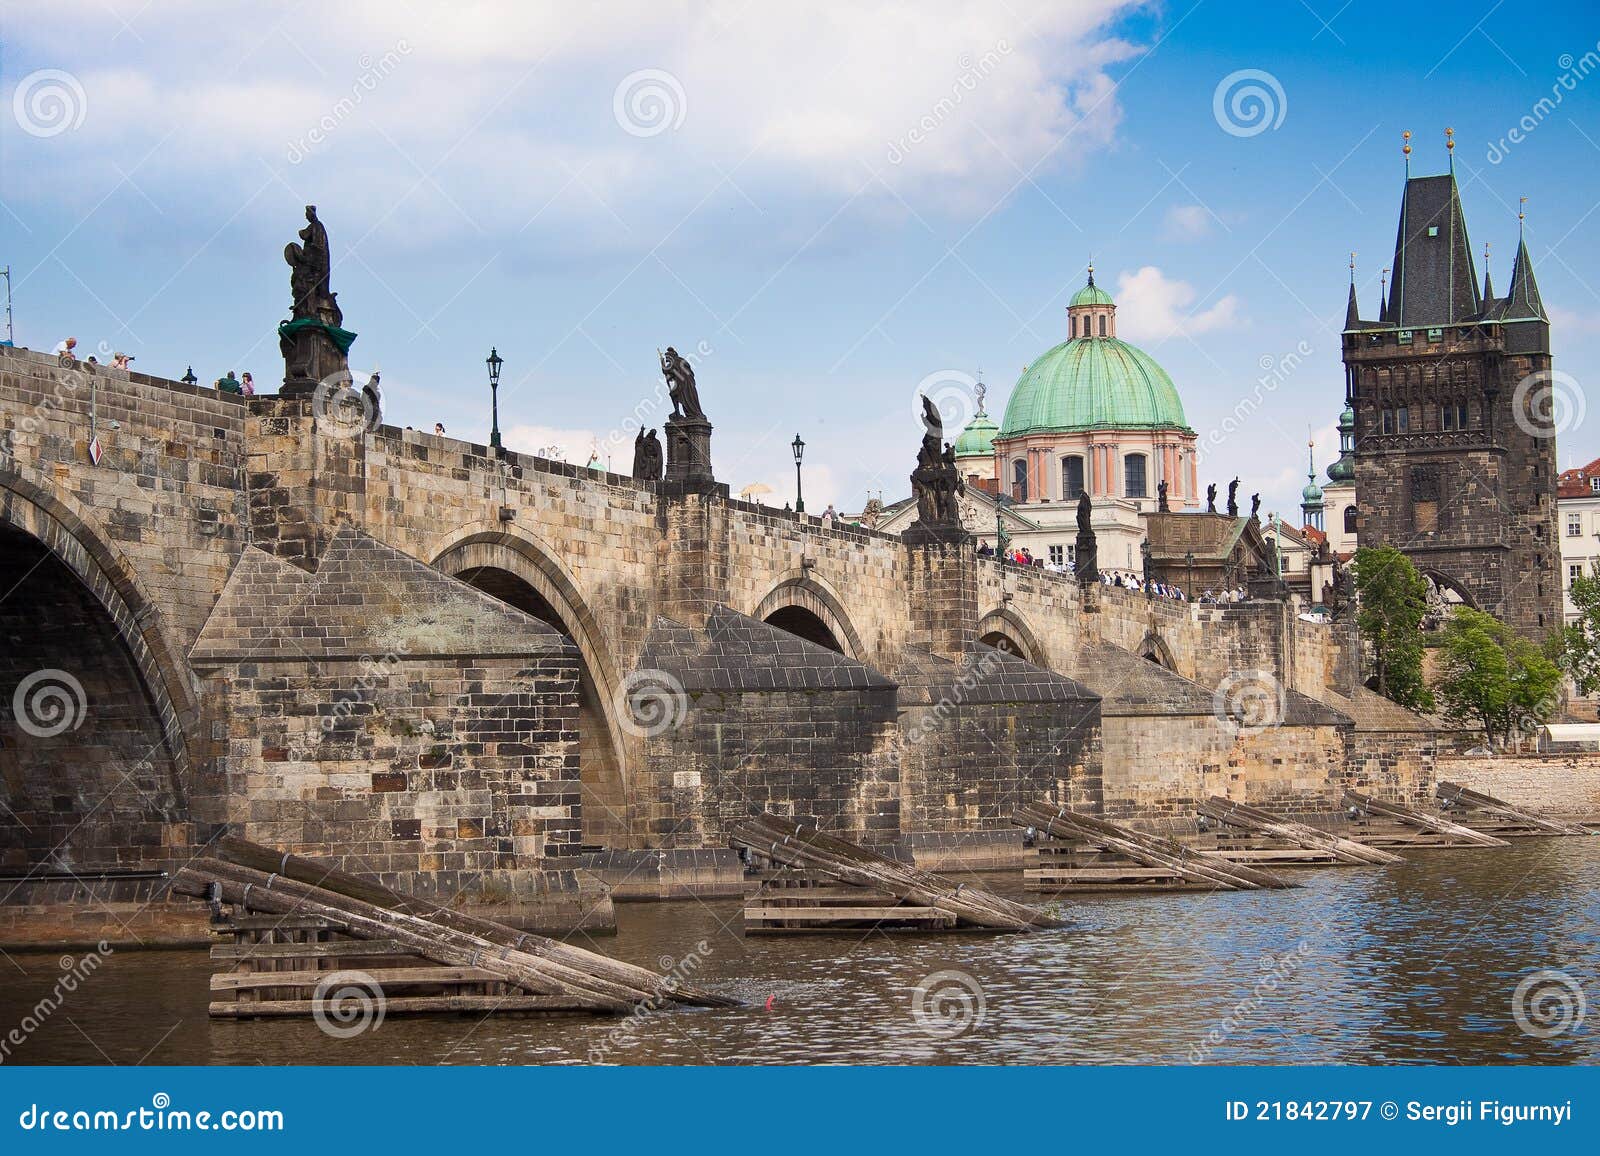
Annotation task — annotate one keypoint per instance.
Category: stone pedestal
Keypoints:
(689, 453)
(310, 357)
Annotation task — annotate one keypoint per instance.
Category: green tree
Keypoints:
(1578, 648)
(1489, 673)
(1391, 599)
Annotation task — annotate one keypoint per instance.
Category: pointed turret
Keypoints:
(1352, 312)
(1522, 300)
(1488, 283)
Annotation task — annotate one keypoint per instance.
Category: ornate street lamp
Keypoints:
(494, 361)
(799, 448)
(188, 377)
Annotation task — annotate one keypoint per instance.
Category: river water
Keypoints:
(1415, 963)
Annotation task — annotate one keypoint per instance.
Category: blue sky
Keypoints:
(833, 205)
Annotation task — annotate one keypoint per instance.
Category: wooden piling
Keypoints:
(1409, 827)
(1296, 834)
(1498, 817)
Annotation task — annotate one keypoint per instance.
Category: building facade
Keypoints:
(1578, 502)
(1454, 460)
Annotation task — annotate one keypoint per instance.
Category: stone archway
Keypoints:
(1006, 630)
(525, 573)
(1154, 648)
(98, 722)
(809, 608)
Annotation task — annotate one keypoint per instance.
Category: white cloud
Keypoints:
(1151, 306)
(1188, 222)
(500, 116)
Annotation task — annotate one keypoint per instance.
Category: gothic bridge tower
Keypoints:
(1455, 464)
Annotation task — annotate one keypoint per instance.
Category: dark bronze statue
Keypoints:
(1087, 566)
(311, 264)
(1161, 497)
(936, 481)
(680, 385)
(647, 457)
(1211, 498)
(1255, 506)
(1233, 498)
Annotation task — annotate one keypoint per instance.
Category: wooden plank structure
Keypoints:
(1094, 854)
(1272, 838)
(822, 883)
(289, 947)
(1497, 817)
(1382, 824)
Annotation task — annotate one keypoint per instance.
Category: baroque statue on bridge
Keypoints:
(680, 385)
(1086, 566)
(314, 343)
(1211, 498)
(647, 457)
(936, 481)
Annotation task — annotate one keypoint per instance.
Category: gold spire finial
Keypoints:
(1522, 208)
(1406, 136)
(1450, 138)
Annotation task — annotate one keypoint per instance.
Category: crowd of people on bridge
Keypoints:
(1121, 579)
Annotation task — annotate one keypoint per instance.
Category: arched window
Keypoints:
(1350, 519)
(1072, 477)
(1133, 476)
(1019, 480)
(1102, 325)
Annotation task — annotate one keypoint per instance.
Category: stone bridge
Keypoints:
(428, 658)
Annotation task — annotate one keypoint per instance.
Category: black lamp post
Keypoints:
(1189, 592)
(494, 361)
(188, 377)
(799, 448)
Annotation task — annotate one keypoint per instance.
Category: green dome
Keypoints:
(1344, 470)
(1091, 383)
(977, 439)
(1312, 493)
(1090, 294)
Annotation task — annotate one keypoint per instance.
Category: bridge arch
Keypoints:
(525, 572)
(98, 716)
(1154, 648)
(807, 606)
(1005, 629)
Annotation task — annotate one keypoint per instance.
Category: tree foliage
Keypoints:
(1490, 674)
(1391, 599)
(1578, 649)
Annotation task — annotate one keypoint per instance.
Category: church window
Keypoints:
(1133, 476)
(1019, 480)
(1072, 477)
(1350, 519)
(1102, 325)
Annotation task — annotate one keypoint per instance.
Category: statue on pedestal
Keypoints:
(1087, 565)
(1211, 498)
(688, 433)
(1161, 497)
(1233, 498)
(680, 385)
(314, 343)
(936, 481)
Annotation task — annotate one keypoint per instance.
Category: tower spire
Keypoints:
(1488, 282)
(1383, 294)
(1352, 311)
